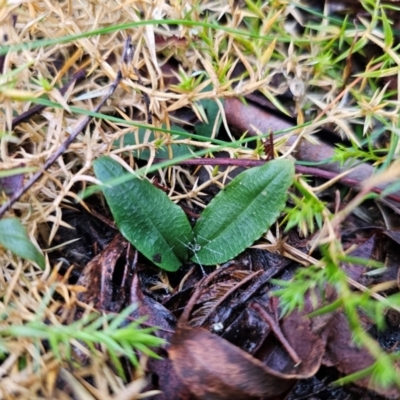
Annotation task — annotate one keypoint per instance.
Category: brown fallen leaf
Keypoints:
(214, 369)
(348, 358)
(165, 379)
(97, 277)
(156, 314)
(307, 339)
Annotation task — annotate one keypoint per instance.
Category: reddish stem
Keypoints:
(301, 169)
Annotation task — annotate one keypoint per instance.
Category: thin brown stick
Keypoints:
(146, 98)
(103, 219)
(277, 332)
(127, 57)
(78, 75)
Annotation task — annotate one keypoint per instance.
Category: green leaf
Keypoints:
(387, 30)
(14, 238)
(145, 215)
(242, 212)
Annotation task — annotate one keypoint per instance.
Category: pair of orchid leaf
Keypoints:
(231, 222)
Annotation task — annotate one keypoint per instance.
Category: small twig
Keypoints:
(301, 169)
(78, 75)
(103, 219)
(146, 99)
(277, 331)
(192, 301)
(127, 56)
(269, 147)
(189, 212)
(3, 57)
(328, 175)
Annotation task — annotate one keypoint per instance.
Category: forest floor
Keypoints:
(199, 200)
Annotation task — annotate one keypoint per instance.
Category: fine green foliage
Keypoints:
(146, 217)
(314, 279)
(306, 210)
(242, 212)
(14, 238)
(93, 329)
(292, 293)
(354, 155)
